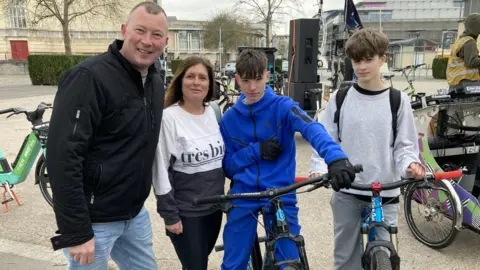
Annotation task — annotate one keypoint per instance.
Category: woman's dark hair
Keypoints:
(174, 92)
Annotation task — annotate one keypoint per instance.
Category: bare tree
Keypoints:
(269, 11)
(67, 11)
(236, 31)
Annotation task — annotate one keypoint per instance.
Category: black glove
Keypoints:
(341, 173)
(270, 150)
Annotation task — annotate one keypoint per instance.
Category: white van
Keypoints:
(285, 66)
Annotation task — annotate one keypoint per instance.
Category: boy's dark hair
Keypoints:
(366, 44)
(251, 64)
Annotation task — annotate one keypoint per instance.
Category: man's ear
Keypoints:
(237, 78)
(124, 30)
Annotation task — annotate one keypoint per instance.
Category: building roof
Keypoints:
(411, 41)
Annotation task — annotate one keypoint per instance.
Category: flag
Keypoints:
(352, 19)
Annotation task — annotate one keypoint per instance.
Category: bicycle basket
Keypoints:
(41, 131)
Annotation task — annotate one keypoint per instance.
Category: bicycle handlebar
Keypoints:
(409, 67)
(32, 116)
(323, 180)
(269, 193)
(378, 187)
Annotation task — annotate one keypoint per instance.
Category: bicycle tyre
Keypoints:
(42, 178)
(413, 228)
(380, 261)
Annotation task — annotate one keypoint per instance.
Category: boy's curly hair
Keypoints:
(365, 44)
(251, 64)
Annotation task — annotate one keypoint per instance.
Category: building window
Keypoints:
(195, 40)
(182, 40)
(16, 14)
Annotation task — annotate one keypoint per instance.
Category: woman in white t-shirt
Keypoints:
(188, 164)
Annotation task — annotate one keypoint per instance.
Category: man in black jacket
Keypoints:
(103, 134)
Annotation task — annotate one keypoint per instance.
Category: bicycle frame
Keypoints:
(375, 220)
(23, 163)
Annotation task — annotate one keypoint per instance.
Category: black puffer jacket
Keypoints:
(101, 144)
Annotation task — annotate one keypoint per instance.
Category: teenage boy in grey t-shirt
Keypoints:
(366, 136)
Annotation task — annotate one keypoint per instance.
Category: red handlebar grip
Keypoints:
(299, 179)
(447, 175)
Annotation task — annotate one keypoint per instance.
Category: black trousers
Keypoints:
(197, 241)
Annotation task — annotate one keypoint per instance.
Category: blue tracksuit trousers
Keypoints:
(239, 235)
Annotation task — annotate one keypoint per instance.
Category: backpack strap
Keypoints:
(216, 109)
(395, 100)
(339, 98)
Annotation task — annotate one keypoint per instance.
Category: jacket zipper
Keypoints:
(77, 116)
(256, 139)
(92, 198)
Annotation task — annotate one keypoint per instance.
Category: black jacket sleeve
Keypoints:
(75, 115)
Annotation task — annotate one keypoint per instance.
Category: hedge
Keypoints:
(48, 69)
(439, 68)
(175, 64)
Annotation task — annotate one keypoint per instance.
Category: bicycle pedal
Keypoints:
(7, 201)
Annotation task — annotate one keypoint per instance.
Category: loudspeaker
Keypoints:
(302, 94)
(304, 36)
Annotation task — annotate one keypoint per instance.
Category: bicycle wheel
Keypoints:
(440, 206)
(41, 176)
(380, 261)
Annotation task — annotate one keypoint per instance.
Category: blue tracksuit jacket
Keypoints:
(242, 128)
(278, 117)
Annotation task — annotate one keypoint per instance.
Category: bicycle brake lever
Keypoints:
(8, 116)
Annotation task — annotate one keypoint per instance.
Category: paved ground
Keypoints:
(25, 231)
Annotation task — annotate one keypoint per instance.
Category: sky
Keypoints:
(205, 9)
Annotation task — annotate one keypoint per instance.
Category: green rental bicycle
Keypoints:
(34, 142)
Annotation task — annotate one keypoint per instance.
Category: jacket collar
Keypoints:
(135, 75)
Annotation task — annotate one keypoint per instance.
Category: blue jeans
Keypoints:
(129, 243)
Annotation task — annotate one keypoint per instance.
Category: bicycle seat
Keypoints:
(388, 77)
(315, 91)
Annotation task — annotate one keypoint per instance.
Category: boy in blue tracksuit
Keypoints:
(259, 134)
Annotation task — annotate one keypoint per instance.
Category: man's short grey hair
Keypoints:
(150, 7)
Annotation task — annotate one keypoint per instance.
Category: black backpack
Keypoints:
(395, 99)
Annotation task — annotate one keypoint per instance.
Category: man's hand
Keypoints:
(84, 253)
(341, 173)
(176, 228)
(270, 150)
(416, 170)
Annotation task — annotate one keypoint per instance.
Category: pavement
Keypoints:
(25, 231)
(14, 262)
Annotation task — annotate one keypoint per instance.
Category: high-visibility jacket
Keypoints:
(456, 68)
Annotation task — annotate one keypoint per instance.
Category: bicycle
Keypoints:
(224, 85)
(279, 230)
(409, 90)
(28, 153)
(373, 256)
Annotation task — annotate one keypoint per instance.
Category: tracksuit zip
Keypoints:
(256, 139)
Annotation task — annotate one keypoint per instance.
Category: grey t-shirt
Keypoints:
(366, 133)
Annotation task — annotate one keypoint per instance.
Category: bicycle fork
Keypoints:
(368, 231)
(282, 231)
